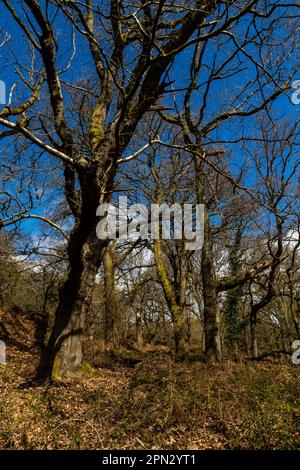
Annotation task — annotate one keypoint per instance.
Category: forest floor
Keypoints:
(155, 404)
(122, 401)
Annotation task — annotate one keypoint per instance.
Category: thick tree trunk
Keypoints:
(63, 353)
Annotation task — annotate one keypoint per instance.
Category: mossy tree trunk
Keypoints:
(233, 297)
(174, 301)
(110, 292)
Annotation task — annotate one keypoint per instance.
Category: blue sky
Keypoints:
(17, 51)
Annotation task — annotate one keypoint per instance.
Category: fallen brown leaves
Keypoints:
(155, 405)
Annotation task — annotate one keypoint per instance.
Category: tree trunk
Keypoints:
(179, 336)
(253, 337)
(233, 297)
(42, 323)
(213, 349)
(173, 303)
(247, 342)
(110, 295)
(63, 353)
(296, 315)
(139, 332)
(211, 312)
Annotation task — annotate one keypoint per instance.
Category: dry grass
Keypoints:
(155, 405)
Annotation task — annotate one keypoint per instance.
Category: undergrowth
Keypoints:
(156, 404)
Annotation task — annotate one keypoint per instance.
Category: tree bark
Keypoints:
(110, 294)
(211, 312)
(63, 353)
(253, 337)
(213, 349)
(173, 302)
(139, 332)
